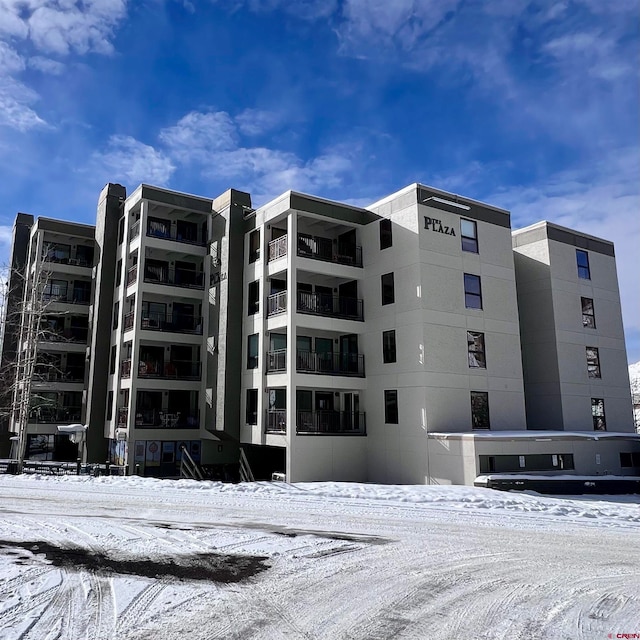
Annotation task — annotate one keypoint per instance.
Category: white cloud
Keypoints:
(15, 109)
(133, 162)
(63, 26)
(46, 65)
(255, 122)
(6, 234)
(198, 136)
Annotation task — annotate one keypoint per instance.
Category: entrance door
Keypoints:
(347, 247)
(349, 354)
(324, 410)
(348, 293)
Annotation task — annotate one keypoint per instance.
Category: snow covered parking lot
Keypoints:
(133, 558)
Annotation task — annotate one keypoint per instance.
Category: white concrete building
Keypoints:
(332, 342)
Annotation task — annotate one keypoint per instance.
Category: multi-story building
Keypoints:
(52, 334)
(329, 341)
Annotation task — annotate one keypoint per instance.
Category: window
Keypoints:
(84, 255)
(391, 406)
(386, 235)
(480, 410)
(597, 413)
(252, 407)
(252, 351)
(469, 235)
(116, 314)
(588, 314)
(254, 245)
(388, 346)
(630, 459)
(110, 405)
(55, 290)
(472, 292)
(388, 290)
(475, 349)
(119, 273)
(112, 360)
(120, 230)
(582, 258)
(254, 297)
(593, 362)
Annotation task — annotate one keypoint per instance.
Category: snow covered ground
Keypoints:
(132, 558)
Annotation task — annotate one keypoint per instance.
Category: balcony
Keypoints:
(331, 423)
(55, 414)
(276, 421)
(75, 297)
(123, 417)
(277, 303)
(132, 274)
(76, 335)
(70, 374)
(332, 364)
(172, 323)
(325, 249)
(157, 419)
(125, 369)
(277, 248)
(166, 232)
(128, 321)
(172, 370)
(321, 304)
(276, 361)
(184, 278)
(135, 231)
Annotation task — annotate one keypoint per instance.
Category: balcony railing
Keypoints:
(167, 233)
(78, 334)
(174, 323)
(155, 418)
(277, 248)
(333, 364)
(276, 421)
(123, 416)
(321, 304)
(129, 321)
(132, 274)
(319, 248)
(277, 360)
(70, 374)
(75, 262)
(125, 369)
(331, 422)
(277, 303)
(54, 415)
(135, 231)
(76, 297)
(173, 370)
(185, 278)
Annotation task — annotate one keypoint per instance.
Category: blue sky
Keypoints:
(531, 105)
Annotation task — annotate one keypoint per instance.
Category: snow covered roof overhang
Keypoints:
(537, 436)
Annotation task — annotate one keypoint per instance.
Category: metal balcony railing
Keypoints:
(276, 421)
(54, 414)
(174, 323)
(77, 335)
(125, 369)
(333, 364)
(331, 422)
(158, 419)
(319, 248)
(132, 274)
(123, 416)
(70, 374)
(128, 321)
(172, 370)
(185, 278)
(175, 235)
(277, 303)
(277, 248)
(321, 304)
(135, 231)
(276, 360)
(69, 297)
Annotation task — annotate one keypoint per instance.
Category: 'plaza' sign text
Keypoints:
(433, 224)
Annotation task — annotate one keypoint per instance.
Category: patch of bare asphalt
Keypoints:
(214, 567)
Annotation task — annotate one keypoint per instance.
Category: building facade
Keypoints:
(418, 340)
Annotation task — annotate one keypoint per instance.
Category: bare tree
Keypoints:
(25, 324)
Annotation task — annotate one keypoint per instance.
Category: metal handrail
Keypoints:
(321, 304)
